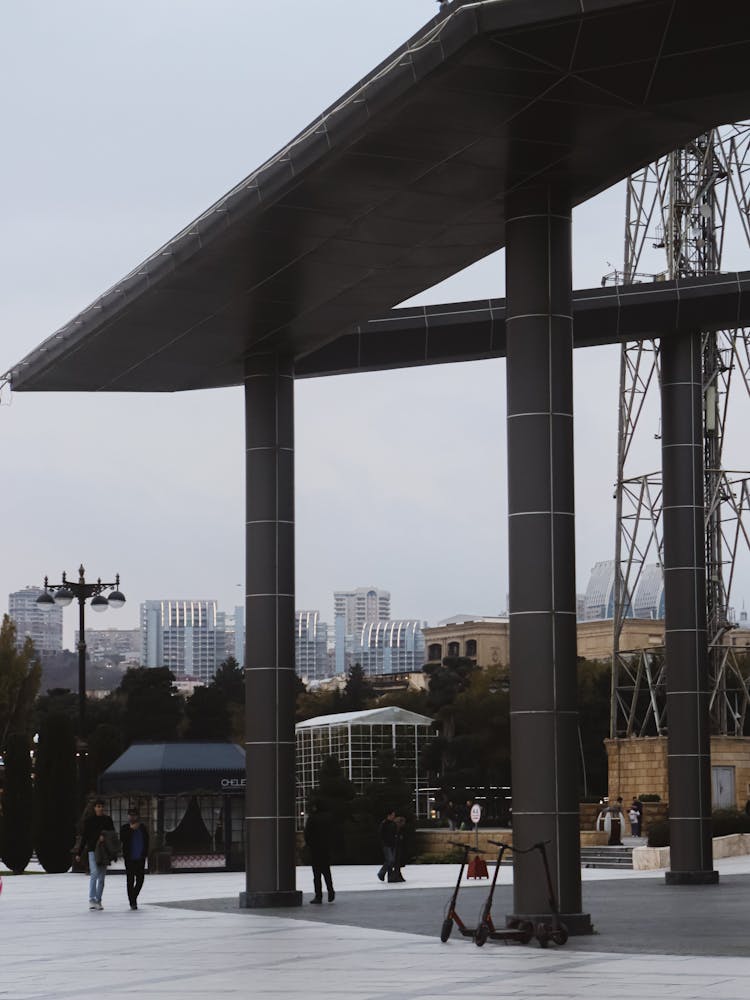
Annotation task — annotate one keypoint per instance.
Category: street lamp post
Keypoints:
(62, 594)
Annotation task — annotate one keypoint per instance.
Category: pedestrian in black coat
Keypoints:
(318, 834)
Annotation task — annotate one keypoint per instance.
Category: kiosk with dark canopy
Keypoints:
(484, 130)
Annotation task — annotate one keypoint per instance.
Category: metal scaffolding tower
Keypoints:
(681, 206)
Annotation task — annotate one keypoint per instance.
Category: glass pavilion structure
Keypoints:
(356, 739)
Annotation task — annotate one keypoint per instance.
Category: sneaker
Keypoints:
(331, 896)
(92, 904)
(381, 876)
(99, 906)
(133, 906)
(316, 900)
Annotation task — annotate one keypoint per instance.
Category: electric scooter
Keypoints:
(451, 914)
(555, 930)
(486, 929)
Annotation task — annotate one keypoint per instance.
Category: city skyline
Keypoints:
(401, 475)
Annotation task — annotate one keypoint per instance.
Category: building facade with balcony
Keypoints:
(43, 625)
(186, 636)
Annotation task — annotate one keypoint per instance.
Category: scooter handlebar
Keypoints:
(464, 847)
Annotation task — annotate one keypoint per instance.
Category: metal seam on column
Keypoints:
(276, 601)
(551, 454)
(266, 520)
(542, 315)
(536, 215)
(270, 447)
(270, 817)
(540, 513)
(269, 595)
(544, 711)
(269, 743)
(541, 413)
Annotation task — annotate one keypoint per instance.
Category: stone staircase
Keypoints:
(607, 857)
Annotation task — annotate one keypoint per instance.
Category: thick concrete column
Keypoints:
(544, 719)
(269, 634)
(686, 634)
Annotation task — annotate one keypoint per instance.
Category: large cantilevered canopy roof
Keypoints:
(403, 182)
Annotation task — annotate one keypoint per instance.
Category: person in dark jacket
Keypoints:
(318, 831)
(388, 840)
(92, 836)
(134, 838)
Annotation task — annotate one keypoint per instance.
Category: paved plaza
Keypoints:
(189, 940)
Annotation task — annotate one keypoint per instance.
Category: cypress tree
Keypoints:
(16, 848)
(55, 794)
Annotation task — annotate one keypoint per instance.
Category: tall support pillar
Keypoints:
(269, 630)
(541, 530)
(686, 633)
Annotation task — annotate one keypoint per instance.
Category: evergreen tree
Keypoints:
(335, 795)
(55, 794)
(153, 709)
(16, 846)
(207, 713)
(230, 680)
(104, 747)
(20, 676)
(358, 692)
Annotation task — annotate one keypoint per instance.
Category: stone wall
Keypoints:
(638, 766)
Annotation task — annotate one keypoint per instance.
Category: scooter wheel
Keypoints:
(560, 934)
(480, 938)
(527, 931)
(542, 935)
(445, 930)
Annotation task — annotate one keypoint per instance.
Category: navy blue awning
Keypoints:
(176, 768)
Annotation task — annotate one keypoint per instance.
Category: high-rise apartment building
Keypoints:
(188, 637)
(43, 624)
(310, 646)
(353, 609)
(235, 624)
(392, 647)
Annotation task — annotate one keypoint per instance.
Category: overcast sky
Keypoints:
(121, 122)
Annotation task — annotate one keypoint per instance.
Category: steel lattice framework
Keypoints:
(681, 206)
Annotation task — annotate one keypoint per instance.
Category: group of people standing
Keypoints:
(99, 843)
(318, 838)
(611, 819)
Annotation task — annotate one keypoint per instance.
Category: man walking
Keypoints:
(134, 837)
(92, 838)
(318, 840)
(388, 839)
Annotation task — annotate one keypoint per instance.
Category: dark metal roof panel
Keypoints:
(473, 331)
(402, 183)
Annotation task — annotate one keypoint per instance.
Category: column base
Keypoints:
(691, 878)
(576, 923)
(265, 900)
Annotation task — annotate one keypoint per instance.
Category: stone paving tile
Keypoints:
(53, 948)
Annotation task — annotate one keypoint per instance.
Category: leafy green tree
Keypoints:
(153, 708)
(104, 747)
(358, 693)
(410, 699)
(390, 790)
(230, 680)
(594, 680)
(55, 793)
(446, 681)
(20, 676)
(207, 714)
(311, 704)
(16, 841)
(335, 795)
